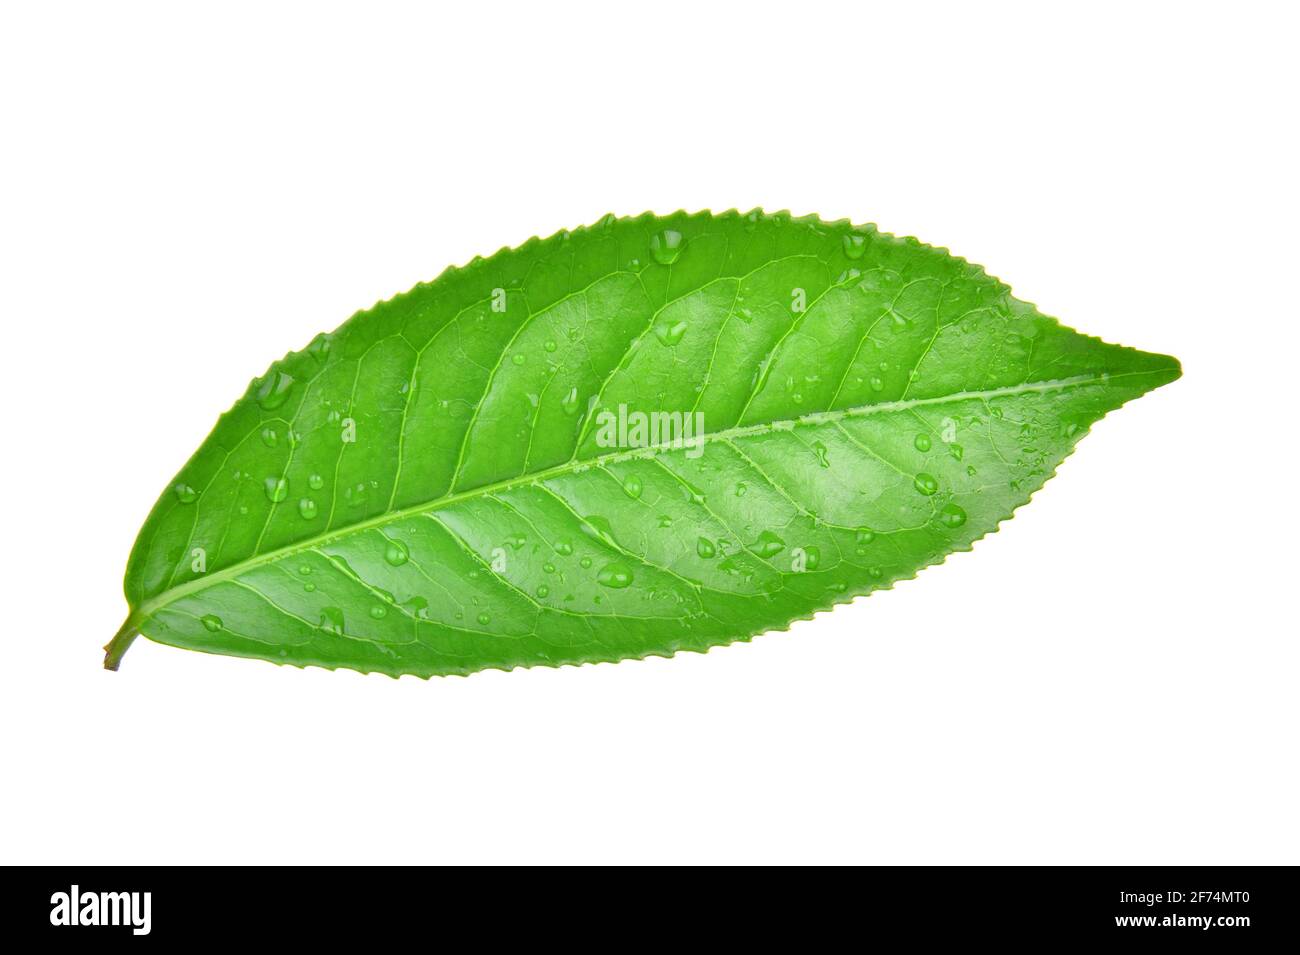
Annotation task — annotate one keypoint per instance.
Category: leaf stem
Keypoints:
(116, 647)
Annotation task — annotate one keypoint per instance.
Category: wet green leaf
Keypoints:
(651, 435)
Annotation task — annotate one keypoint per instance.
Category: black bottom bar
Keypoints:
(1224, 906)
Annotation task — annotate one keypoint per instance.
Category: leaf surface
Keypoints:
(646, 436)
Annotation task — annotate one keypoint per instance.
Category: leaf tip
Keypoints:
(1164, 368)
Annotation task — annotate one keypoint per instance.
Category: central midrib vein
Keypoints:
(149, 607)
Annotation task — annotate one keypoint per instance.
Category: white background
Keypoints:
(1112, 678)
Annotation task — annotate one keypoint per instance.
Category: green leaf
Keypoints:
(646, 436)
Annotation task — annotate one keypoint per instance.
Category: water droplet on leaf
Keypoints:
(952, 515)
(926, 483)
(320, 346)
(855, 245)
(615, 575)
(666, 246)
(277, 489)
(670, 334)
(273, 390)
(395, 553)
(768, 544)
